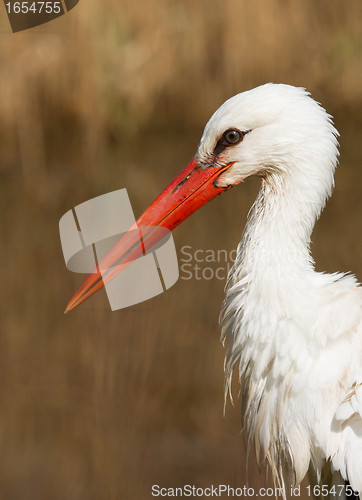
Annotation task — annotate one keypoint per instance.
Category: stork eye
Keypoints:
(232, 137)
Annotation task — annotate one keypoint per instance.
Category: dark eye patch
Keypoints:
(230, 137)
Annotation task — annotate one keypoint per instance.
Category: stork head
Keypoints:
(272, 130)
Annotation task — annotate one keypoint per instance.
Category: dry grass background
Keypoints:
(100, 405)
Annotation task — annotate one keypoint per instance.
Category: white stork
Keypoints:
(294, 334)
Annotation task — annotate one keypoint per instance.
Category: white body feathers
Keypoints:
(295, 334)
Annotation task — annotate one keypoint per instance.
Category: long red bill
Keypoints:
(190, 190)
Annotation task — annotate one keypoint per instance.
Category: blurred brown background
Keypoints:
(98, 404)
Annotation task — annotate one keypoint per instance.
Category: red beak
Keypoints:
(190, 190)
